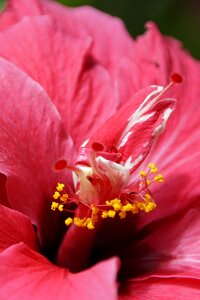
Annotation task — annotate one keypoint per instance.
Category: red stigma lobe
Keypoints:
(60, 164)
(176, 78)
(97, 146)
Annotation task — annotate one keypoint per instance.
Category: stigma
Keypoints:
(132, 199)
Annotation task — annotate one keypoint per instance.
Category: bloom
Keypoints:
(61, 81)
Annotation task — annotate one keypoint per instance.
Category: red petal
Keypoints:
(32, 139)
(64, 70)
(26, 274)
(15, 228)
(56, 68)
(76, 238)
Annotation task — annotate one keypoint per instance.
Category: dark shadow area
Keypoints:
(3, 193)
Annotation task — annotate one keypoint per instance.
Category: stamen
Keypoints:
(134, 198)
(56, 195)
(64, 198)
(143, 173)
(159, 178)
(54, 205)
(68, 221)
(60, 187)
(153, 168)
(60, 207)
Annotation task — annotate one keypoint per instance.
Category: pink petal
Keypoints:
(111, 40)
(15, 10)
(64, 68)
(26, 274)
(15, 228)
(151, 62)
(175, 140)
(159, 288)
(32, 139)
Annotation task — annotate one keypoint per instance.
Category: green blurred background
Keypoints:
(178, 18)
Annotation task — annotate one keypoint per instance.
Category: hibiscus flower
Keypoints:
(82, 109)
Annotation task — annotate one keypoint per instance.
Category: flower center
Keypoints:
(102, 189)
(105, 185)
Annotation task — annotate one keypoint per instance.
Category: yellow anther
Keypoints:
(122, 214)
(60, 207)
(143, 174)
(54, 205)
(60, 187)
(117, 206)
(56, 195)
(78, 222)
(82, 222)
(140, 205)
(104, 214)
(147, 197)
(90, 225)
(134, 209)
(148, 182)
(127, 207)
(149, 207)
(159, 178)
(114, 201)
(95, 210)
(64, 198)
(111, 213)
(153, 168)
(108, 203)
(151, 165)
(86, 221)
(68, 221)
